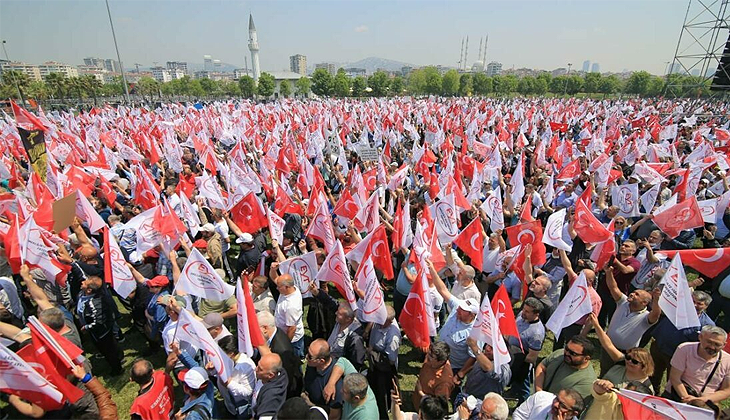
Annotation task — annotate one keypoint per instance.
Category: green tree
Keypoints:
(638, 83)
(358, 86)
(37, 91)
(148, 87)
(450, 83)
(466, 87)
(78, 86)
(526, 85)
(229, 88)
(379, 83)
(194, 88)
(592, 82)
(609, 85)
(558, 84)
(417, 82)
(655, 86)
(247, 86)
(113, 88)
(397, 85)
(546, 77)
(284, 89)
(266, 86)
(168, 89)
(433, 81)
(92, 85)
(56, 83)
(341, 84)
(540, 86)
(304, 85)
(575, 84)
(209, 86)
(482, 84)
(505, 84)
(18, 80)
(322, 82)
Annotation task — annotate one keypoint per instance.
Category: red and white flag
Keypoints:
(398, 177)
(249, 333)
(486, 330)
(708, 261)
(575, 304)
(492, 206)
(635, 405)
(709, 209)
(249, 214)
(320, 228)
(502, 308)
(471, 241)
(303, 269)
(590, 229)
(517, 181)
(192, 331)
(626, 198)
(17, 377)
(648, 199)
(116, 271)
(553, 234)
(414, 317)
(368, 218)
(683, 216)
(446, 217)
(569, 172)
(209, 189)
(276, 226)
(373, 304)
(676, 298)
(86, 212)
(200, 279)
(188, 215)
(529, 233)
(603, 251)
(346, 206)
(37, 251)
(334, 269)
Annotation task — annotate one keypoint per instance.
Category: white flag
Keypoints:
(200, 279)
(648, 199)
(492, 206)
(209, 189)
(276, 226)
(486, 329)
(303, 269)
(518, 183)
(192, 331)
(335, 269)
(709, 209)
(19, 378)
(573, 307)
(188, 215)
(553, 234)
(373, 305)
(676, 298)
(86, 212)
(626, 198)
(122, 279)
(667, 408)
(446, 217)
(244, 336)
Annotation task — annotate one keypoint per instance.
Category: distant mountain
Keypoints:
(372, 64)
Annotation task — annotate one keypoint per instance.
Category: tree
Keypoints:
(56, 83)
(417, 82)
(247, 86)
(341, 84)
(36, 90)
(194, 88)
(450, 83)
(592, 82)
(358, 86)
(505, 84)
(18, 80)
(304, 85)
(208, 85)
(540, 86)
(147, 87)
(92, 85)
(609, 84)
(266, 86)
(379, 83)
(465, 85)
(77, 85)
(114, 88)
(322, 82)
(638, 83)
(284, 89)
(575, 84)
(229, 88)
(655, 86)
(526, 85)
(482, 84)
(433, 81)
(396, 86)
(558, 84)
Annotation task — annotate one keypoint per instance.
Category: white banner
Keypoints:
(676, 298)
(200, 279)
(573, 307)
(303, 269)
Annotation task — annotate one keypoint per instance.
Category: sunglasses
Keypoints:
(564, 407)
(633, 361)
(572, 353)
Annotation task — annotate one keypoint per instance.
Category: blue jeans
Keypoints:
(298, 347)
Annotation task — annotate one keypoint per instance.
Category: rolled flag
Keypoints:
(249, 333)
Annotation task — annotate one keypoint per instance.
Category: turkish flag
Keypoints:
(25, 119)
(42, 365)
(635, 405)
(370, 179)
(414, 317)
(709, 261)
(526, 214)
(471, 241)
(502, 308)
(603, 251)
(587, 195)
(82, 181)
(320, 227)
(722, 135)
(380, 252)
(528, 233)
(248, 215)
(586, 225)
(679, 217)
(570, 172)
(284, 204)
(562, 127)
(167, 222)
(346, 206)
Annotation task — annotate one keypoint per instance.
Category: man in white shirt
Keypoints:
(464, 286)
(568, 404)
(261, 295)
(289, 312)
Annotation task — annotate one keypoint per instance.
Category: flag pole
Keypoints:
(119, 58)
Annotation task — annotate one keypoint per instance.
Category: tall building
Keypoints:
(216, 64)
(494, 68)
(330, 67)
(355, 72)
(112, 65)
(161, 74)
(98, 72)
(94, 62)
(586, 66)
(30, 70)
(298, 64)
(595, 68)
(208, 63)
(253, 46)
(55, 67)
(178, 65)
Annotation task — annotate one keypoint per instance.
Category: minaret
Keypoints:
(466, 52)
(253, 46)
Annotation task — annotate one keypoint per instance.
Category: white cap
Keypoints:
(208, 227)
(246, 238)
(194, 378)
(469, 305)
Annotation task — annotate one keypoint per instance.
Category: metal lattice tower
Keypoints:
(701, 43)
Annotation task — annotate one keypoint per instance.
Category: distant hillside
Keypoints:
(372, 64)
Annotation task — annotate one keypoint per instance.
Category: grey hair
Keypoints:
(714, 330)
(391, 313)
(349, 313)
(535, 304)
(356, 384)
(703, 297)
(266, 319)
(501, 409)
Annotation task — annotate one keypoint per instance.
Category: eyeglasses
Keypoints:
(633, 361)
(562, 406)
(572, 353)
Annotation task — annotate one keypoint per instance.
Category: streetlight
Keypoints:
(17, 84)
(565, 88)
(119, 58)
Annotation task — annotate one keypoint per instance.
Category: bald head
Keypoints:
(285, 284)
(87, 251)
(269, 367)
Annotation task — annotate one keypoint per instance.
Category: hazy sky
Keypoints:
(539, 34)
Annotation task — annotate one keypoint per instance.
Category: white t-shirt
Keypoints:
(222, 229)
(289, 312)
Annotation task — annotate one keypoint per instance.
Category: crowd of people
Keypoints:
(281, 255)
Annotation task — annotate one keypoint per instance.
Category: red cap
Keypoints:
(158, 281)
(200, 243)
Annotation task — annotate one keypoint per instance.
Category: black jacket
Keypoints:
(271, 396)
(281, 345)
(97, 314)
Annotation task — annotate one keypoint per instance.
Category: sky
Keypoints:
(634, 35)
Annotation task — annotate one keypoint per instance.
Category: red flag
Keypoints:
(25, 119)
(603, 251)
(12, 244)
(709, 261)
(257, 339)
(370, 179)
(526, 214)
(586, 225)
(471, 241)
(346, 206)
(587, 196)
(17, 377)
(414, 317)
(528, 233)
(321, 227)
(722, 135)
(167, 222)
(679, 217)
(380, 252)
(570, 172)
(248, 215)
(502, 308)
(284, 204)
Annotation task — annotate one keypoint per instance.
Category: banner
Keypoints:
(35, 145)
(573, 307)
(303, 269)
(676, 298)
(200, 279)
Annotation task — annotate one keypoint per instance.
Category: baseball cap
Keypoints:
(212, 320)
(158, 281)
(469, 305)
(195, 378)
(208, 227)
(245, 238)
(200, 243)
